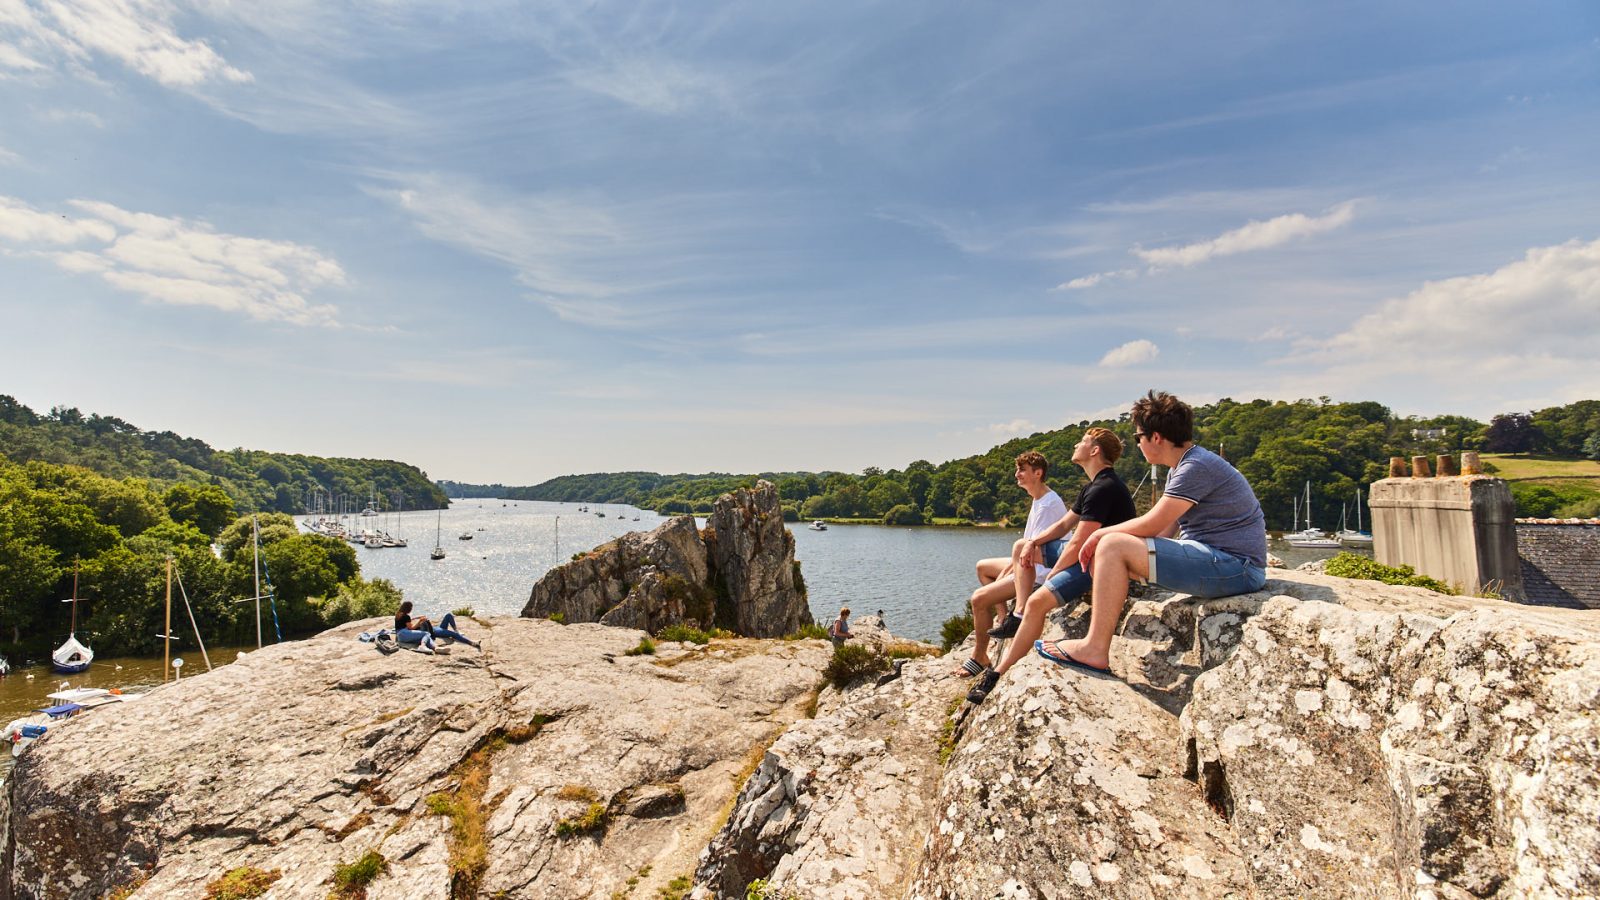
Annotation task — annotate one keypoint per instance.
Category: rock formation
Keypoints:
(573, 769)
(739, 574)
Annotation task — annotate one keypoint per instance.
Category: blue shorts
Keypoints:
(1050, 552)
(1069, 583)
(1190, 567)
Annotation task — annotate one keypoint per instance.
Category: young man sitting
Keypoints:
(1103, 502)
(1000, 579)
(1221, 551)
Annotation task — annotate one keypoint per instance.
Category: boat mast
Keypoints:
(166, 652)
(74, 632)
(255, 535)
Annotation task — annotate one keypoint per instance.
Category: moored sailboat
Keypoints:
(73, 656)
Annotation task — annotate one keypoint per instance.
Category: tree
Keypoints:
(205, 506)
(1511, 433)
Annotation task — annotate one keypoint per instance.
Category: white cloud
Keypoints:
(1131, 353)
(1011, 429)
(1540, 314)
(9, 157)
(1253, 236)
(664, 87)
(137, 33)
(178, 262)
(1089, 281)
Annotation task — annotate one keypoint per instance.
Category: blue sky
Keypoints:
(507, 241)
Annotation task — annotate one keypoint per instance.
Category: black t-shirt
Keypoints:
(1105, 499)
(401, 620)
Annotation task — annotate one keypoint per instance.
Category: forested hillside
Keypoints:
(254, 480)
(1278, 445)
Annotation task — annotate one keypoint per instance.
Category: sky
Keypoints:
(509, 241)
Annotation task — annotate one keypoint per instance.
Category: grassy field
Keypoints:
(1518, 468)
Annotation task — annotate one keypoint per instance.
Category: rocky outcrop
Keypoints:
(1322, 737)
(572, 769)
(740, 574)
(752, 554)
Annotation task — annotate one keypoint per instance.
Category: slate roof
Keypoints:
(1560, 562)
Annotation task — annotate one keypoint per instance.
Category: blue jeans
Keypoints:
(1190, 567)
(447, 628)
(413, 636)
(1069, 583)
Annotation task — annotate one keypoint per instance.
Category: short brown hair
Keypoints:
(1158, 412)
(1033, 459)
(1110, 445)
(844, 612)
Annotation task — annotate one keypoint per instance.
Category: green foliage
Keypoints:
(905, 514)
(463, 612)
(646, 647)
(756, 890)
(955, 630)
(1556, 497)
(676, 889)
(592, 819)
(205, 506)
(242, 883)
(361, 599)
(560, 618)
(683, 633)
(853, 661)
(810, 631)
(351, 879)
(1350, 565)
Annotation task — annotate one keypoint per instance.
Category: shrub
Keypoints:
(559, 618)
(464, 612)
(359, 599)
(810, 631)
(351, 879)
(853, 661)
(799, 580)
(904, 514)
(1349, 565)
(955, 630)
(683, 633)
(908, 650)
(242, 883)
(592, 819)
(646, 647)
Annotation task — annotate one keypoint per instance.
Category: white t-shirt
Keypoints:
(1046, 511)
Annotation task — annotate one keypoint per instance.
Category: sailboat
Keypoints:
(1358, 537)
(1310, 537)
(72, 657)
(438, 549)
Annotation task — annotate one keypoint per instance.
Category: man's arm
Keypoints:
(1160, 521)
(1027, 549)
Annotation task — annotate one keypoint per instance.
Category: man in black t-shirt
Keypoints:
(1104, 501)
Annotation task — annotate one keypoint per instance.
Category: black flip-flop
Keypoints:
(970, 668)
(1066, 659)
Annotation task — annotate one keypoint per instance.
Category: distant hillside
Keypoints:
(255, 480)
(1278, 445)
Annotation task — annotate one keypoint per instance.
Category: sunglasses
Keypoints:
(1139, 436)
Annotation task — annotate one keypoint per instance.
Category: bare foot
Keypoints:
(1080, 652)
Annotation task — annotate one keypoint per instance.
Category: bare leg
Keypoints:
(984, 600)
(1038, 607)
(991, 569)
(1120, 558)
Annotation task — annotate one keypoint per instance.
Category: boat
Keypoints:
(438, 549)
(1358, 538)
(72, 657)
(5, 667)
(1309, 537)
(818, 525)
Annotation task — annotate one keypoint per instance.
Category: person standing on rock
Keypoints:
(998, 577)
(839, 629)
(1103, 502)
(1221, 544)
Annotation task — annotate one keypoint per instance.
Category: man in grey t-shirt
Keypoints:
(1206, 536)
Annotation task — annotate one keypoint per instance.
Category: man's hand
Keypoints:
(1086, 552)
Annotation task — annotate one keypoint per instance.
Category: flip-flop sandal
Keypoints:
(1063, 658)
(970, 668)
(984, 687)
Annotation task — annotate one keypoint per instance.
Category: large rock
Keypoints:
(752, 554)
(739, 574)
(305, 755)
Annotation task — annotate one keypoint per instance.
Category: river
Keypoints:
(917, 577)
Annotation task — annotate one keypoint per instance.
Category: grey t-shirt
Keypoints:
(1226, 514)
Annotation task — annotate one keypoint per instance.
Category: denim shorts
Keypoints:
(1190, 567)
(1069, 583)
(1050, 552)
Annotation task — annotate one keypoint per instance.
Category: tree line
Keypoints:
(1278, 445)
(254, 480)
(114, 535)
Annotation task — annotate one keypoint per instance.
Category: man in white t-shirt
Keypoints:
(999, 580)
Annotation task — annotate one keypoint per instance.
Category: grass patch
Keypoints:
(1516, 468)
(1562, 498)
(853, 661)
(559, 618)
(684, 634)
(592, 819)
(808, 632)
(1349, 565)
(465, 612)
(954, 630)
(350, 880)
(127, 890)
(909, 650)
(467, 811)
(357, 822)
(242, 883)
(676, 889)
(577, 792)
(646, 647)
(947, 731)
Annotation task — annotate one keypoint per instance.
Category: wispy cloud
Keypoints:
(1131, 353)
(9, 157)
(1259, 235)
(178, 262)
(137, 33)
(1089, 281)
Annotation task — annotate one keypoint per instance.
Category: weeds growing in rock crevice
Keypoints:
(592, 819)
(646, 647)
(853, 661)
(467, 809)
(242, 883)
(350, 880)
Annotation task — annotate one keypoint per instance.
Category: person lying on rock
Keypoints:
(998, 577)
(1103, 502)
(839, 629)
(1221, 544)
(421, 626)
